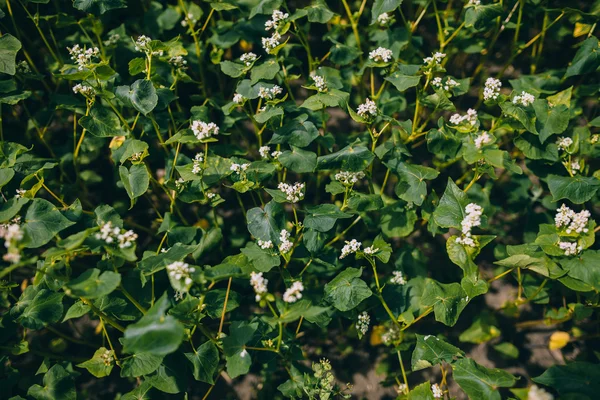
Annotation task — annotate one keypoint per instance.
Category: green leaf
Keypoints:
(233, 69)
(319, 12)
(79, 309)
(92, 285)
(266, 224)
(383, 6)
(298, 160)
(574, 380)
(482, 330)
(45, 308)
(238, 364)
(323, 217)
(412, 186)
(135, 180)
(451, 209)
(331, 98)
(354, 157)
(586, 268)
(58, 384)
(238, 358)
(421, 392)
(447, 300)
(102, 122)
(97, 365)
(587, 58)
(550, 120)
(262, 260)
(525, 116)
(533, 149)
(42, 222)
(431, 350)
(140, 364)
(269, 113)
(577, 189)
(155, 333)
(267, 71)
(98, 6)
(480, 382)
(480, 16)
(9, 46)
(396, 221)
(347, 290)
(403, 82)
(141, 95)
(205, 362)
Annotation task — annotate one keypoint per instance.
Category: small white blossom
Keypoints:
(537, 393)
(203, 130)
(85, 90)
(491, 91)
(20, 193)
(276, 154)
(384, 19)
(381, 54)
(392, 335)
(112, 234)
(362, 325)
(285, 244)
(107, 358)
(197, 166)
(294, 193)
(265, 244)
(570, 248)
(474, 2)
(248, 58)
(575, 166)
(10, 232)
(264, 151)
(349, 178)
(239, 168)
(351, 246)
(270, 43)
(259, 284)
(447, 86)
(367, 109)
(483, 139)
(112, 39)
(436, 58)
(437, 391)
(180, 183)
(319, 81)
(564, 143)
(83, 57)
(470, 117)
(398, 278)
(402, 388)
(276, 18)
(142, 43)
(574, 222)
(181, 271)
(178, 62)
(472, 219)
(370, 250)
(211, 195)
(595, 138)
(238, 98)
(293, 293)
(525, 99)
(269, 94)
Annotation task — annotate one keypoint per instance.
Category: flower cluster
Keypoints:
(319, 81)
(448, 85)
(384, 19)
(239, 168)
(537, 393)
(574, 222)
(238, 98)
(351, 246)
(112, 39)
(398, 278)
(563, 143)
(491, 91)
(12, 234)
(107, 358)
(276, 18)
(83, 57)
(269, 94)
(142, 43)
(575, 167)
(203, 130)
(265, 244)
(270, 43)
(197, 166)
(391, 335)
(437, 391)
(472, 219)
(83, 89)
(259, 284)
(349, 178)
(525, 99)
(474, 2)
(181, 271)
(293, 293)
(436, 58)
(368, 109)
(113, 234)
(370, 250)
(570, 248)
(483, 139)
(285, 245)
(248, 58)
(20, 193)
(178, 62)
(265, 150)
(293, 193)
(470, 117)
(381, 54)
(362, 325)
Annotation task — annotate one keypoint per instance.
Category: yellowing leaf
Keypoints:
(558, 340)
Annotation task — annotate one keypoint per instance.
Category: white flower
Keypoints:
(276, 18)
(211, 195)
(472, 219)
(381, 54)
(142, 42)
(238, 98)
(244, 353)
(178, 62)
(564, 143)
(83, 57)
(449, 84)
(293, 193)
(470, 117)
(370, 250)
(203, 130)
(351, 246)
(285, 244)
(112, 39)
(85, 90)
(293, 293)
(574, 222)
(436, 58)
(398, 278)
(570, 248)
(259, 284)
(248, 58)
(525, 99)
(537, 393)
(367, 109)
(276, 154)
(181, 271)
(491, 91)
(110, 235)
(437, 391)
(349, 178)
(269, 94)
(264, 151)
(11, 233)
(384, 19)
(180, 183)
(575, 166)
(197, 167)
(483, 139)
(402, 388)
(270, 43)
(265, 244)
(20, 193)
(362, 325)
(595, 138)
(319, 82)
(474, 2)
(239, 168)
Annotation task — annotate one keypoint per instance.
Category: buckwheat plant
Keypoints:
(195, 195)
